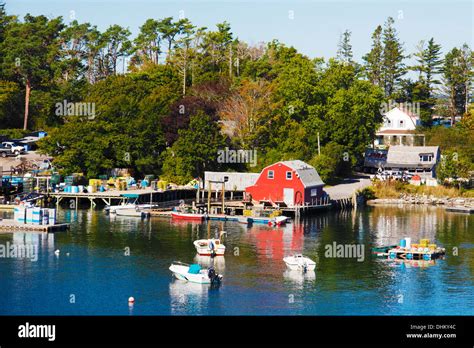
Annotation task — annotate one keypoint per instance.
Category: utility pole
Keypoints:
(223, 197)
(209, 192)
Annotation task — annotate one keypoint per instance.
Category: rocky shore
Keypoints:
(425, 199)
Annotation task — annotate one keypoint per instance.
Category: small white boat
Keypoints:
(300, 263)
(194, 273)
(130, 202)
(114, 208)
(210, 247)
(133, 212)
(278, 220)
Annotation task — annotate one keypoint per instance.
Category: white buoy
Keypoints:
(131, 299)
(57, 252)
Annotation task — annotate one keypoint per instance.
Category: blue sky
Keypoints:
(312, 26)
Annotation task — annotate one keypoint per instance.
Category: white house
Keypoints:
(398, 128)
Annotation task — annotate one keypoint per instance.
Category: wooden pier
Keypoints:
(7, 225)
(118, 196)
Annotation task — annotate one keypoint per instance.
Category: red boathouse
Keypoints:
(288, 182)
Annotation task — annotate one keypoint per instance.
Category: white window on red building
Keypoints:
(289, 175)
(270, 174)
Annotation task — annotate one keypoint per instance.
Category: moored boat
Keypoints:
(209, 247)
(271, 221)
(129, 204)
(187, 216)
(194, 273)
(133, 212)
(300, 262)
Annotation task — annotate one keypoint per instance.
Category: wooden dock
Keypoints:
(147, 195)
(7, 225)
(7, 206)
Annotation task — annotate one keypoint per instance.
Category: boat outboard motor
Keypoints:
(213, 276)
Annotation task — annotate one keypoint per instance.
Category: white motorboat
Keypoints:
(127, 206)
(278, 221)
(131, 202)
(132, 212)
(113, 208)
(194, 273)
(299, 262)
(210, 247)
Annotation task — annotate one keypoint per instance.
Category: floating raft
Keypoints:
(416, 253)
(13, 226)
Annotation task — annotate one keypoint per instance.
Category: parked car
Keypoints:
(14, 148)
(4, 152)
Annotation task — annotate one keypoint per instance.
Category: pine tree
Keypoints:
(374, 59)
(344, 52)
(457, 79)
(428, 66)
(393, 68)
(429, 63)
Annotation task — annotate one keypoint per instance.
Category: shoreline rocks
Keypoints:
(425, 199)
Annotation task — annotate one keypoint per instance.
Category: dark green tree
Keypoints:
(195, 151)
(393, 67)
(30, 49)
(374, 59)
(457, 80)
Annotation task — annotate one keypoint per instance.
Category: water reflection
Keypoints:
(217, 262)
(256, 279)
(186, 297)
(299, 277)
(411, 263)
(418, 222)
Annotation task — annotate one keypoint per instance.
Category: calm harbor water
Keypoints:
(97, 277)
